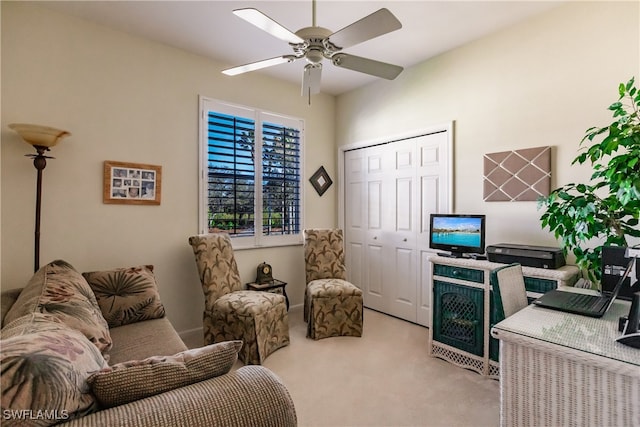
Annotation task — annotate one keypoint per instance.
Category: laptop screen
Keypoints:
(614, 263)
(616, 290)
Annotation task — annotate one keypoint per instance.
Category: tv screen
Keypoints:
(458, 234)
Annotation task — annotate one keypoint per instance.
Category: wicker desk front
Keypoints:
(564, 369)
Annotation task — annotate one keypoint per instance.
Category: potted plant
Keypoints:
(604, 211)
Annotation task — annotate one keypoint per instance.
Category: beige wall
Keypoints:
(127, 99)
(540, 83)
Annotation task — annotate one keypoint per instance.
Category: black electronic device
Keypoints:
(264, 274)
(579, 303)
(630, 335)
(458, 234)
(614, 261)
(527, 255)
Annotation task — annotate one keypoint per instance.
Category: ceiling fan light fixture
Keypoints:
(314, 56)
(312, 49)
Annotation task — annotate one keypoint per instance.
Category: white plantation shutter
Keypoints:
(259, 203)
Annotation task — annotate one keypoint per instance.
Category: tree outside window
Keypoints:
(236, 184)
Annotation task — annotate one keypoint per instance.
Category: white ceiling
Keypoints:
(209, 28)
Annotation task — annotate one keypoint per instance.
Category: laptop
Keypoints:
(586, 305)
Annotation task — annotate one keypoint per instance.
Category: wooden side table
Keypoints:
(277, 286)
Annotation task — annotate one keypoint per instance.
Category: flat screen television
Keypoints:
(460, 235)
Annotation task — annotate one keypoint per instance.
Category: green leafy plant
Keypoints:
(604, 211)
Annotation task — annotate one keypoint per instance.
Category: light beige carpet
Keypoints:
(385, 378)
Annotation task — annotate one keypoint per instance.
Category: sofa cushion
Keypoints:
(45, 366)
(137, 379)
(137, 341)
(59, 291)
(126, 295)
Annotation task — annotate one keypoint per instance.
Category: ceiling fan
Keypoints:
(317, 43)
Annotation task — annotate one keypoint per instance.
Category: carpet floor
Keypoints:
(385, 378)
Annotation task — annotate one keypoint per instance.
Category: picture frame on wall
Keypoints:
(132, 183)
(321, 181)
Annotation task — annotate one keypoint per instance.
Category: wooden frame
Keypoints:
(321, 180)
(131, 183)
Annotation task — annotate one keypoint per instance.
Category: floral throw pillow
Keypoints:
(137, 379)
(45, 367)
(60, 292)
(126, 295)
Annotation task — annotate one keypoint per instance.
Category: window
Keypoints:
(250, 174)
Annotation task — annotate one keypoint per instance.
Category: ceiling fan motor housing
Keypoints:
(314, 48)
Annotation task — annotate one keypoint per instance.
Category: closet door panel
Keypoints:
(355, 216)
(390, 191)
(429, 202)
(403, 207)
(400, 240)
(433, 173)
(434, 165)
(374, 291)
(374, 207)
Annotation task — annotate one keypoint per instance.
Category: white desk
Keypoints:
(559, 369)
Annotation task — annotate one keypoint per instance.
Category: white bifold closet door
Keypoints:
(390, 189)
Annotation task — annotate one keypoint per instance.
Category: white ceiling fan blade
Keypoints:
(311, 79)
(258, 65)
(369, 27)
(367, 66)
(262, 21)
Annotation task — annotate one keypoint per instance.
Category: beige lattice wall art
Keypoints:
(520, 175)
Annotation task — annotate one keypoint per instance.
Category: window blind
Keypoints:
(232, 178)
(231, 174)
(280, 179)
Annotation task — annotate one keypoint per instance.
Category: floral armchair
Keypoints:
(332, 305)
(259, 319)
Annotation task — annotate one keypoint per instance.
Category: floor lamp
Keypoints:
(42, 138)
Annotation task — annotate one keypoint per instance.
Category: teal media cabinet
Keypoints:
(462, 308)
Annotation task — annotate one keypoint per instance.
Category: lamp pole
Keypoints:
(40, 162)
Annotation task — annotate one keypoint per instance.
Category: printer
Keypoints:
(530, 256)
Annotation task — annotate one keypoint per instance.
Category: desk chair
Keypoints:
(509, 292)
(509, 296)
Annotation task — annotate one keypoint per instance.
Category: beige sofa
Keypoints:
(207, 391)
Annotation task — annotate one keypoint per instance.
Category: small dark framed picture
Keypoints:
(321, 181)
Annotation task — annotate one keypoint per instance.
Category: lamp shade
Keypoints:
(37, 135)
